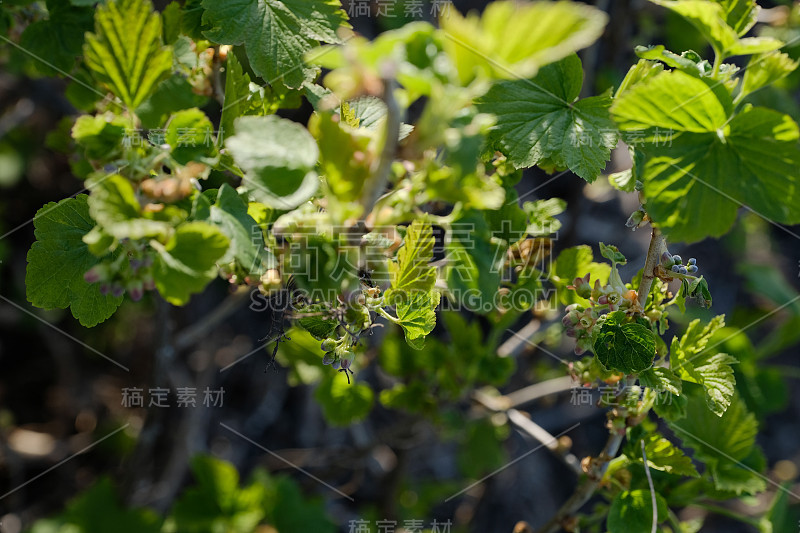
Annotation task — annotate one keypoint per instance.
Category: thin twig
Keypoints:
(654, 529)
(529, 427)
(539, 390)
(205, 326)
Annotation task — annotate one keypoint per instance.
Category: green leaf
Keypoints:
(99, 135)
(229, 213)
(58, 260)
(711, 370)
(216, 503)
(417, 316)
(276, 34)
(186, 264)
(344, 404)
(411, 272)
(171, 95)
(345, 173)
(511, 40)
(126, 53)
(696, 181)
(766, 69)
(623, 181)
(237, 92)
(474, 263)
(632, 512)
(541, 215)
(612, 253)
(730, 436)
(572, 263)
(714, 20)
(59, 38)
(687, 61)
(665, 456)
(661, 379)
(627, 348)
(316, 319)
(540, 119)
(98, 509)
(739, 477)
(369, 112)
(114, 206)
(278, 158)
(673, 100)
(190, 136)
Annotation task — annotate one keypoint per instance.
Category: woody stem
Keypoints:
(657, 246)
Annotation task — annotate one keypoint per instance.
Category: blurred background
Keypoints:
(418, 455)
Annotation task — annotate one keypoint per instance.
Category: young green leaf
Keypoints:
(722, 24)
(344, 404)
(572, 263)
(624, 347)
(632, 511)
(511, 40)
(276, 34)
(765, 69)
(417, 316)
(126, 52)
(663, 455)
(411, 272)
(540, 119)
(58, 260)
(229, 213)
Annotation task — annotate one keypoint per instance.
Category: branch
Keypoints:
(595, 470)
(373, 189)
(657, 246)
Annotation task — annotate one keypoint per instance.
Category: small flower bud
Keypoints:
(677, 259)
(136, 290)
(691, 261)
(675, 268)
(346, 364)
(117, 290)
(691, 269)
(328, 345)
(96, 273)
(683, 270)
(666, 259)
(328, 358)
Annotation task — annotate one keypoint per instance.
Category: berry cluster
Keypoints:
(579, 322)
(674, 263)
(337, 355)
(614, 294)
(131, 271)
